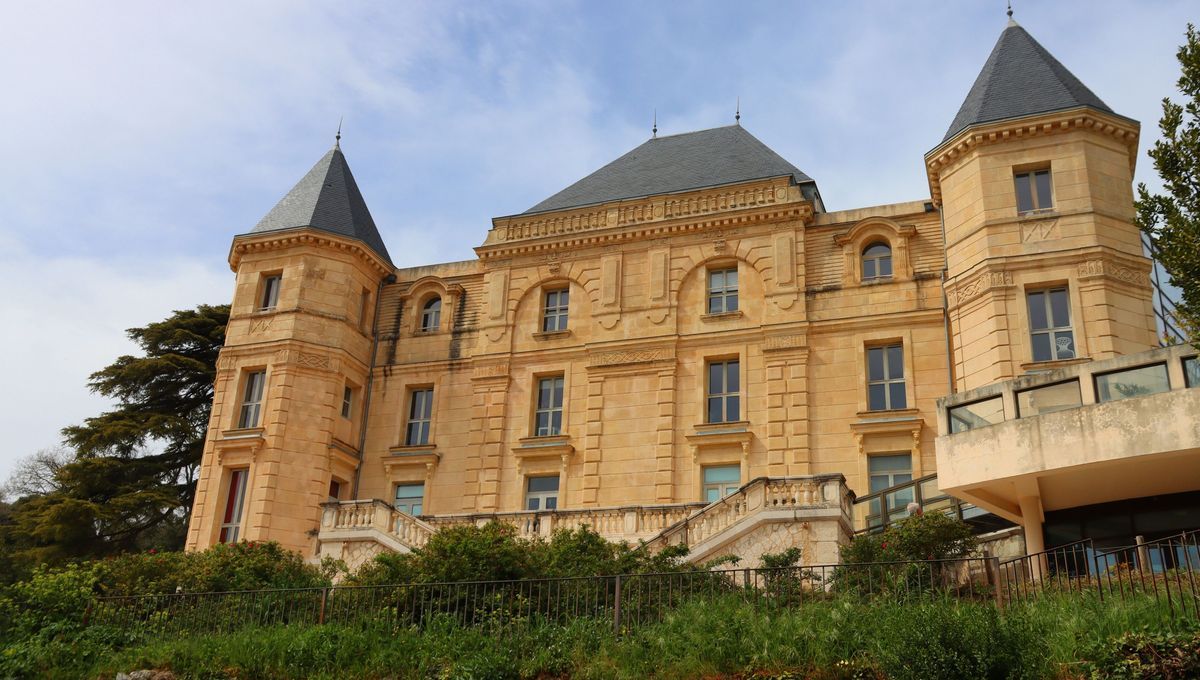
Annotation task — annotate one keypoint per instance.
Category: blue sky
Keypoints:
(139, 137)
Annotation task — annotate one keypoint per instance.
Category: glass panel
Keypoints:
(555, 422)
(711, 494)
(1134, 382)
(558, 392)
(885, 267)
(895, 362)
(879, 483)
(538, 484)
(723, 473)
(1041, 347)
(875, 398)
(731, 302)
(1024, 195)
(732, 382)
(1064, 345)
(716, 379)
(545, 387)
(715, 410)
(415, 509)
(901, 462)
(543, 423)
(552, 503)
(731, 282)
(979, 414)
(732, 409)
(1042, 181)
(875, 363)
(1037, 311)
(714, 304)
(533, 503)
(1059, 310)
(868, 269)
(877, 249)
(716, 280)
(896, 392)
(1191, 372)
(562, 297)
(409, 491)
(1048, 399)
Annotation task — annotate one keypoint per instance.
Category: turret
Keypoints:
(1045, 266)
(286, 425)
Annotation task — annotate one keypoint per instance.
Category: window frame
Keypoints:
(542, 496)
(887, 381)
(423, 421)
(252, 399)
(722, 488)
(1191, 378)
(268, 291)
(1038, 203)
(414, 505)
(1051, 330)
(430, 320)
(1097, 379)
(876, 505)
(555, 317)
(348, 401)
(1021, 395)
(725, 395)
(724, 293)
(875, 261)
(230, 528)
(364, 307)
(558, 388)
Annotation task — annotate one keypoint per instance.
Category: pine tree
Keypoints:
(1172, 220)
(131, 480)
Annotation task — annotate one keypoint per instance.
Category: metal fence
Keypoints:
(1165, 569)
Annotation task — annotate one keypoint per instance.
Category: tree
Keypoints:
(131, 480)
(36, 475)
(1172, 220)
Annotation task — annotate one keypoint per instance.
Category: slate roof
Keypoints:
(693, 160)
(327, 198)
(1021, 78)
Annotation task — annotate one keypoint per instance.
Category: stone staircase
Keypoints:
(768, 514)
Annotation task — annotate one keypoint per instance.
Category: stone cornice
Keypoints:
(274, 240)
(653, 217)
(1083, 118)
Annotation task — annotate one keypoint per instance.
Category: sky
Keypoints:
(140, 137)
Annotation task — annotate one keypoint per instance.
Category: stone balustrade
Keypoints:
(615, 524)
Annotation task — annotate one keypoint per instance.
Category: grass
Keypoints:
(722, 637)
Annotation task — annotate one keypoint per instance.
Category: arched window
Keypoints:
(431, 315)
(877, 262)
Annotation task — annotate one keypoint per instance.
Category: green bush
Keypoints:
(866, 561)
(1145, 655)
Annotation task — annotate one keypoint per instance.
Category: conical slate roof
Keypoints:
(1020, 78)
(327, 198)
(693, 160)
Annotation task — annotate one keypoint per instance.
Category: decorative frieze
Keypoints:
(321, 362)
(1095, 268)
(1039, 230)
(632, 356)
(980, 285)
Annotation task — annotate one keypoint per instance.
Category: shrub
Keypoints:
(917, 538)
(1145, 655)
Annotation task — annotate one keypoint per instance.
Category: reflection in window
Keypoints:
(724, 392)
(976, 415)
(885, 472)
(885, 378)
(554, 314)
(548, 416)
(420, 414)
(410, 498)
(1048, 399)
(877, 262)
(1135, 382)
(1191, 371)
(431, 315)
(720, 481)
(1033, 191)
(1050, 325)
(722, 290)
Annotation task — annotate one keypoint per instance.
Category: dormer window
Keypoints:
(877, 262)
(431, 315)
(1033, 191)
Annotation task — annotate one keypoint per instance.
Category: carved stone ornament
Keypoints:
(304, 359)
(633, 356)
(982, 283)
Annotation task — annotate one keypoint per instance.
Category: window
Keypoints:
(410, 498)
(252, 399)
(347, 401)
(235, 498)
(885, 378)
(720, 481)
(431, 315)
(1050, 325)
(335, 490)
(1133, 382)
(364, 306)
(541, 493)
(554, 314)
(547, 420)
(877, 262)
(1191, 372)
(270, 292)
(1040, 400)
(976, 415)
(724, 392)
(722, 290)
(420, 411)
(887, 471)
(1033, 191)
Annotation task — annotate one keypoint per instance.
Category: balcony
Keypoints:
(1076, 436)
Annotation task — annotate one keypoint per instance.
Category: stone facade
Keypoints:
(351, 347)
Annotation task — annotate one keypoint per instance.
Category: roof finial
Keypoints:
(654, 130)
(737, 114)
(1010, 9)
(337, 139)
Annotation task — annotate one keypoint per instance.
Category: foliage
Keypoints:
(1144, 655)
(1172, 220)
(130, 483)
(885, 560)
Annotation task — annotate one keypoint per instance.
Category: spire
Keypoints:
(737, 113)
(1021, 78)
(337, 139)
(328, 199)
(654, 130)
